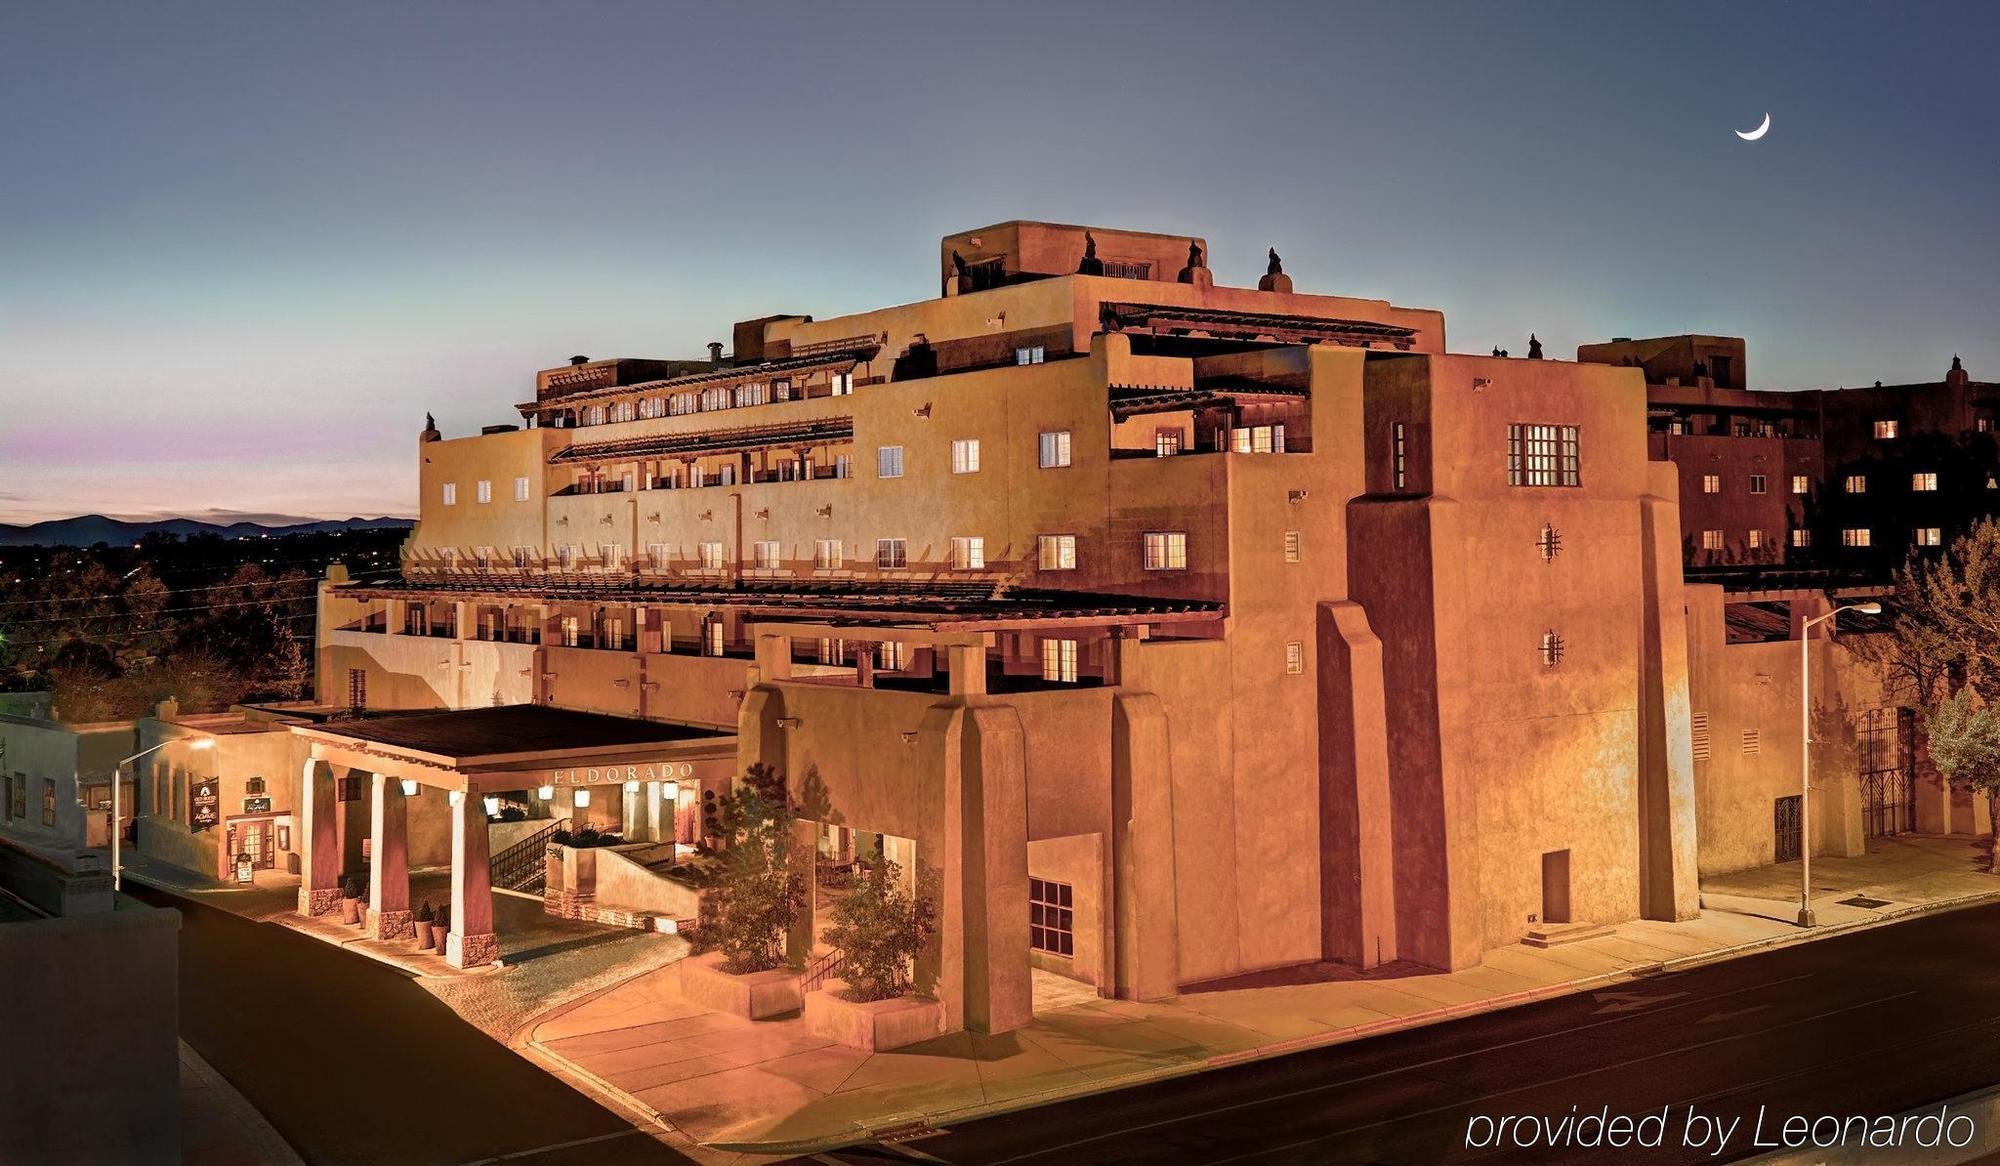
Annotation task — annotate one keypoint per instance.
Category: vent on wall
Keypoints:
(1701, 736)
(1751, 740)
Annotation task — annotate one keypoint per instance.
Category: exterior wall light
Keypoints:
(670, 790)
(582, 798)
(410, 787)
(546, 792)
(631, 787)
(455, 797)
(492, 806)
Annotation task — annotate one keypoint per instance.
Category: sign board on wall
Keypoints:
(612, 774)
(204, 804)
(259, 805)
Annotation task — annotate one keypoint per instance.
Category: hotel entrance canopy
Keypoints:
(512, 747)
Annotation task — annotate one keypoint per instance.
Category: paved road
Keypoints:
(355, 1063)
(1872, 1022)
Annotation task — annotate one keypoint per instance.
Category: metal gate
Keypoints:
(1785, 826)
(1888, 772)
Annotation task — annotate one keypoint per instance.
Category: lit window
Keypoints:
(451, 493)
(891, 554)
(1756, 539)
(968, 553)
(1855, 536)
(1884, 430)
(520, 489)
(1031, 355)
(1543, 455)
(1552, 648)
(1802, 538)
(1711, 483)
(889, 461)
(1059, 660)
(1050, 921)
(711, 556)
(711, 636)
(1257, 439)
(964, 456)
(1923, 483)
(1166, 550)
(1056, 552)
(827, 554)
(1166, 442)
(1295, 657)
(892, 656)
(766, 551)
(1756, 483)
(1801, 484)
(1398, 456)
(1929, 536)
(1711, 540)
(1292, 546)
(1054, 451)
(1982, 425)
(1856, 484)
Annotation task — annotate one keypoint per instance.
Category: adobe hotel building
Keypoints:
(1213, 629)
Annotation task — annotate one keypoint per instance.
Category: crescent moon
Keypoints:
(1759, 132)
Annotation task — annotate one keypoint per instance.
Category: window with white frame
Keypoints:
(1801, 484)
(1166, 442)
(1856, 536)
(451, 493)
(1885, 429)
(1055, 552)
(1711, 540)
(1856, 484)
(1711, 483)
(1166, 550)
(520, 489)
(1257, 439)
(842, 383)
(1059, 660)
(484, 491)
(766, 551)
(1053, 452)
(891, 554)
(827, 554)
(613, 556)
(965, 456)
(1543, 455)
(1923, 483)
(711, 556)
(1756, 483)
(889, 461)
(1929, 536)
(1029, 355)
(968, 553)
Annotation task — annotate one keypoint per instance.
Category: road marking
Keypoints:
(1559, 1080)
(1719, 1017)
(1206, 1113)
(555, 1146)
(1631, 1001)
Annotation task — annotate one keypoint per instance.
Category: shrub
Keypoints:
(881, 929)
(444, 918)
(353, 887)
(424, 912)
(757, 896)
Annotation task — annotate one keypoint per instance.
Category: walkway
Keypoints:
(773, 1087)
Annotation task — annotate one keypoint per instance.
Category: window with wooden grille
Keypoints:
(1051, 918)
(1753, 741)
(1700, 734)
(1543, 455)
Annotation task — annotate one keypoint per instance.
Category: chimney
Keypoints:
(715, 353)
(579, 360)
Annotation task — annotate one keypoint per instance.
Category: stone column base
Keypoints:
(471, 951)
(319, 902)
(390, 924)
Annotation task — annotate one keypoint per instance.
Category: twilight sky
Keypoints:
(245, 246)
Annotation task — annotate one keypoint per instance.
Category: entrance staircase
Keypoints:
(520, 867)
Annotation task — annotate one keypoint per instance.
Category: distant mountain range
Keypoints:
(90, 529)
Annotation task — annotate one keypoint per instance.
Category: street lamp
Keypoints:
(1805, 753)
(117, 832)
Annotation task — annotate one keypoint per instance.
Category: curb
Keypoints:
(943, 1118)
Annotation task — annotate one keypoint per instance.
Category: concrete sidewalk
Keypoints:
(737, 1088)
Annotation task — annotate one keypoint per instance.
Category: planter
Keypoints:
(425, 937)
(755, 996)
(875, 1026)
(350, 910)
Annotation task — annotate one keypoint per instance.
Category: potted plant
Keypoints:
(442, 926)
(426, 925)
(350, 899)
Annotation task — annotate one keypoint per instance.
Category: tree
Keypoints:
(1964, 734)
(881, 928)
(757, 896)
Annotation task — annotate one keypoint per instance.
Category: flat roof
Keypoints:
(510, 730)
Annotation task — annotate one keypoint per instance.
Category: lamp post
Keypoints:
(117, 832)
(1805, 752)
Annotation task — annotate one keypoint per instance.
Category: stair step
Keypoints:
(1546, 935)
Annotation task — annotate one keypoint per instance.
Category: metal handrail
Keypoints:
(821, 968)
(520, 866)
